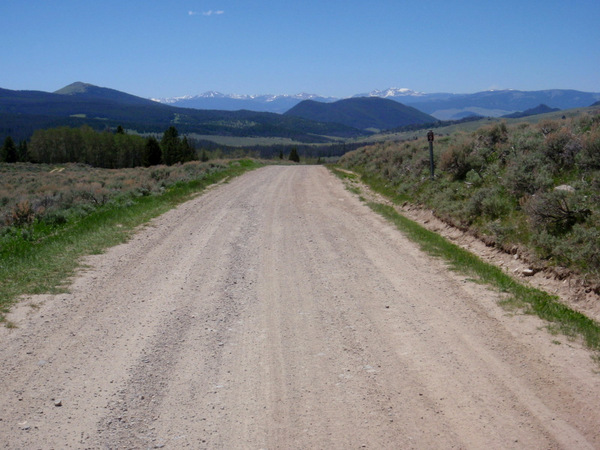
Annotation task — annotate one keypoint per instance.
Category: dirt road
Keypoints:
(278, 312)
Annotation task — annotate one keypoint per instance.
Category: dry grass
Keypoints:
(31, 192)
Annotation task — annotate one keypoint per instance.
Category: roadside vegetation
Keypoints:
(531, 300)
(52, 215)
(527, 188)
(531, 188)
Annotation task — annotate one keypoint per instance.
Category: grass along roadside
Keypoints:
(45, 265)
(530, 300)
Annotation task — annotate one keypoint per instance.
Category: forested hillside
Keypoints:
(23, 112)
(362, 113)
(535, 188)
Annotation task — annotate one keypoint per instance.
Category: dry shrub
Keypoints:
(561, 147)
(455, 160)
(556, 212)
(22, 214)
(548, 126)
(589, 157)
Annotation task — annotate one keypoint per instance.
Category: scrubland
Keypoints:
(531, 188)
(52, 215)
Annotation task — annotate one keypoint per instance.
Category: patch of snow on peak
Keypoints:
(395, 92)
(170, 100)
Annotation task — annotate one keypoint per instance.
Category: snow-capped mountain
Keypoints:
(234, 102)
(444, 106)
(392, 92)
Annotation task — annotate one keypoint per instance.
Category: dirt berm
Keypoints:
(277, 311)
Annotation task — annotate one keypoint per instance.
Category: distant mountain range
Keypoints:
(264, 103)
(443, 106)
(500, 103)
(311, 119)
(22, 112)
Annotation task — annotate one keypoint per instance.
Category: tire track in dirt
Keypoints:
(278, 311)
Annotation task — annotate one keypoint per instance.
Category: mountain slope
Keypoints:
(541, 109)
(89, 91)
(363, 113)
(499, 103)
(21, 112)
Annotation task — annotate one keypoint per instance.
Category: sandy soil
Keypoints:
(278, 311)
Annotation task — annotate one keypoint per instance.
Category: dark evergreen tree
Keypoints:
(152, 154)
(170, 145)
(120, 130)
(9, 151)
(187, 152)
(23, 152)
(294, 155)
(204, 156)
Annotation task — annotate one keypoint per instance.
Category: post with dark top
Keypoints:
(430, 139)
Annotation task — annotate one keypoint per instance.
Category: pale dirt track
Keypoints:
(278, 312)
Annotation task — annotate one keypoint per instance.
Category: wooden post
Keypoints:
(430, 140)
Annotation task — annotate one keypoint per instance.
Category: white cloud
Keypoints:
(211, 13)
(192, 13)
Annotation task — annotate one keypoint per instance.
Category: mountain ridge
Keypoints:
(22, 112)
(365, 113)
(441, 105)
(540, 109)
(231, 102)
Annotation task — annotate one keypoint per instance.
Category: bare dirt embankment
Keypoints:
(278, 311)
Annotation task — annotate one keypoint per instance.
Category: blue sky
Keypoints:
(338, 48)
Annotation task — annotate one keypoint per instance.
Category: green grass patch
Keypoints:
(518, 296)
(538, 302)
(40, 259)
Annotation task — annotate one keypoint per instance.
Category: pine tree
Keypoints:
(9, 151)
(152, 155)
(23, 152)
(170, 145)
(187, 152)
(294, 155)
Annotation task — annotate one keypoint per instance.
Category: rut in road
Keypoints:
(278, 311)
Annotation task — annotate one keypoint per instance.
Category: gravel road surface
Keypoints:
(277, 311)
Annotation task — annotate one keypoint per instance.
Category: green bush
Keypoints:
(561, 147)
(526, 174)
(589, 157)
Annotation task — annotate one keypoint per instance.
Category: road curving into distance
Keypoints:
(277, 311)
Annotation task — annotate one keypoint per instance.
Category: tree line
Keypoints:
(106, 149)
(117, 149)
